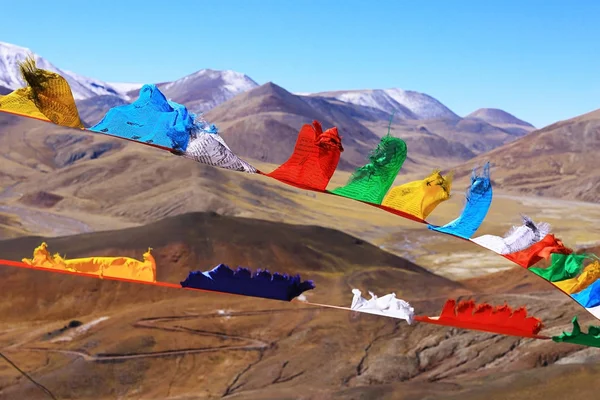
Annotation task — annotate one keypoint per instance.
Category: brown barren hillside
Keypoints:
(446, 140)
(263, 124)
(203, 240)
(138, 341)
(502, 119)
(57, 181)
(557, 161)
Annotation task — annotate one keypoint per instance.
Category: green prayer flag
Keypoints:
(592, 338)
(371, 182)
(564, 266)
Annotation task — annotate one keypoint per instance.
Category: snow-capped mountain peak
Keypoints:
(421, 104)
(232, 81)
(237, 82)
(377, 99)
(207, 88)
(123, 87)
(405, 103)
(81, 86)
(10, 56)
(200, 91)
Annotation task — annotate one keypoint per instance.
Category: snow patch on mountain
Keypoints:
(81, 86)
(10, 56)
(232, 82)
(405, 103)
(207, 88)
(377, 99)
(123, 87)
(421, 104)
(236, 82)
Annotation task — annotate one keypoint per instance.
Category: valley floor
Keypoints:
(576, 223)
(137, 344)
(186, 349)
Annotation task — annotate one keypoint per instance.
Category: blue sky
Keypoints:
(536, 59)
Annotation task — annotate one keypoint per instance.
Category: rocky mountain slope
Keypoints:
(502, 119)
(166, 343)
(556, 161)
(259, 128)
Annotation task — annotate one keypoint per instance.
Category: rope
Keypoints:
(39, 385)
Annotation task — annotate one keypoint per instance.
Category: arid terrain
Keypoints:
(72, 182)
(146, 342)
(140, 342)
(556, 161)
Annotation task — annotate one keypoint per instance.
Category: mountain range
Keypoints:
(207, 88)
(556, 161)
(81, 86)
(261, 122)
(56, 181)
